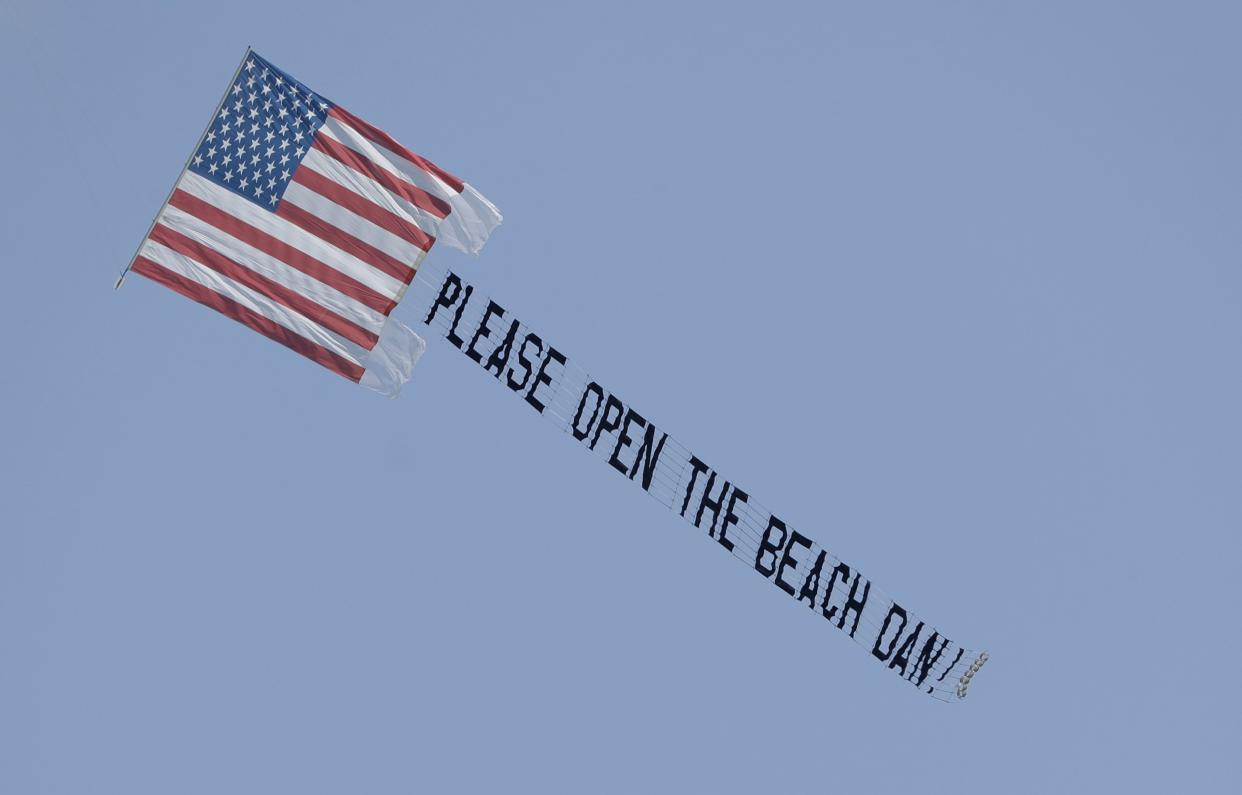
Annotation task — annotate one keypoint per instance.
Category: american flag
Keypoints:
(307, 224)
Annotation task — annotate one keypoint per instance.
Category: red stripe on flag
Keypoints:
(411, 193)
(281, 250)
(239, 273)
(382, 138)
(361, 249)
(360, 205)
(227, 306)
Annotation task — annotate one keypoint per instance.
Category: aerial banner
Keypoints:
(633, 445)
(309, 225)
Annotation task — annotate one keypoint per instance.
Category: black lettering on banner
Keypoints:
(842, 571)
(787, 560)
(766, 547)
(527, 365)
(926, 659)
(500, 356)
(810, 586)
(706, 502)
(614, 410)
(957, 658)
(624, 440)
(542, 377)
(902, 658)
(451, 336)
(697, 468)
(647, 457)
(451, 281)
(581, 433)
(493, 310)
(853, 603)
(730, 517)
(895, 610)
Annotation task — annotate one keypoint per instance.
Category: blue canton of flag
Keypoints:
(263, 130)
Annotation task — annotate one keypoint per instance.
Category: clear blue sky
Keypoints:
(953, 287)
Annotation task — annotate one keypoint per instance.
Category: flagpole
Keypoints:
(121, 279)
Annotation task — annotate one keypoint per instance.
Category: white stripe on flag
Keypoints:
(471, 222)
(331, 255)
(386, 159)
(473, 217)
(371, 190)
(244, 296)
(336, 215)
(266, 265)
(393, 357)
